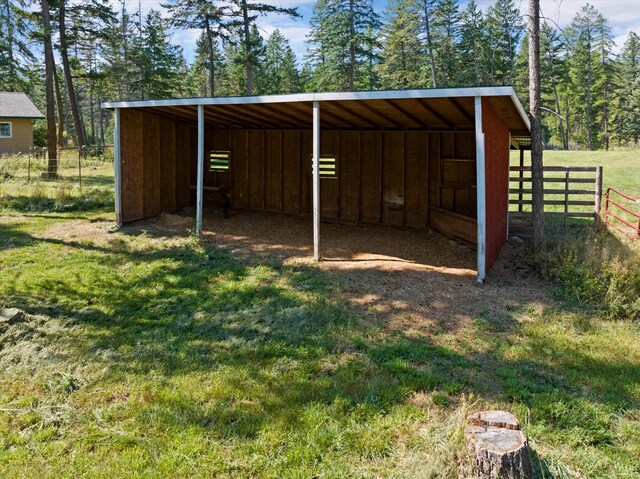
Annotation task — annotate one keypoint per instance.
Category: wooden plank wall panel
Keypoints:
(152, 165)
(131, 152)
(239, 168)
(349, 175)
(497, 180)
(306, 149)
(393, 196)
(255, 185)
(273, 171)
(184, 160)
(434, 169)
(168, 162)
(329, 187)
(370, 168)
(291, 172)
(416, 158)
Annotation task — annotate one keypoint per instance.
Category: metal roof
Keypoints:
(422, 109)
(17, 105)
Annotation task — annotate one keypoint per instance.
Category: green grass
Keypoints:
(156, 357)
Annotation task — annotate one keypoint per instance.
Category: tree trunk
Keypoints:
(587, 120)
(536, 123)
(497, 447)
(60, 108)
(432, 61)
(351, 72)
(49, 66)
(9, 46)
(73, 103)
(212, 66)
(247, 48)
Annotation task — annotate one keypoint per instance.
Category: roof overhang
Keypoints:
(442, 109)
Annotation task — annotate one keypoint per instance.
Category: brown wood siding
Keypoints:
(156, 156)
(21, 140)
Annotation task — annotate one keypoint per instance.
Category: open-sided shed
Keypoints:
(435, 158)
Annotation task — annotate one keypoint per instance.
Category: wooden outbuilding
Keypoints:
(433, 158)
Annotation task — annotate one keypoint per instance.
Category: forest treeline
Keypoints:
(591, 96)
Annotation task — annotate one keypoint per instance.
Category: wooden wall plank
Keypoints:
(168, 165)
(255, 185)
(416, 152)
(152, 164)
(273, 172)
(349, 175)
(239, 168)
(291, 172)
(329, 200)
(370, 159)
(184, 160)
(393, 195)
(132, 164)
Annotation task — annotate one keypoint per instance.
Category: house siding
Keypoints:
(22, 136)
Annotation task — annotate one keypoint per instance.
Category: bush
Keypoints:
(594, 268)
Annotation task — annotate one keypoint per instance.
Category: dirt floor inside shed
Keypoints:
(416, 282)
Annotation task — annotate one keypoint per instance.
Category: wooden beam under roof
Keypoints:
(386, 118)
(299, 108)
(360, 117)
(434, 112)
(281, 116)
(246, 113)
(402, 111)
(461, 109)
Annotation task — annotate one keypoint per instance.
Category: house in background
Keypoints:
(17, 113)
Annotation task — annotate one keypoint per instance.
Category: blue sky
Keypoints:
(623, 16)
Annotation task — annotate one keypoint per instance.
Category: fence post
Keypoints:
(598, 203)
(80, 173)
(29, 167)
(566, 198)
(521, 176)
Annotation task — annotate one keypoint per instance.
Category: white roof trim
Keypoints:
(333, 96)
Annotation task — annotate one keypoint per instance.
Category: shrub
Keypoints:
(594, 268)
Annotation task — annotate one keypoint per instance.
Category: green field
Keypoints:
(152, 355)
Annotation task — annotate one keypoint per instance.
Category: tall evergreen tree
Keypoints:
(627, 102)
(402, 53)
(343, 45)
(504, 31)
(280, 73)
(473, 50)
(15, 53)
(446, 32)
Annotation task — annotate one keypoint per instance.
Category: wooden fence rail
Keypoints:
(569, 191)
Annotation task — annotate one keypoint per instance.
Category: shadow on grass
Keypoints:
(274, 339)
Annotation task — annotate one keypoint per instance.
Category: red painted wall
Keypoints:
(497, 180)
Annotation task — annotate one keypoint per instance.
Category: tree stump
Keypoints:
(497, 446)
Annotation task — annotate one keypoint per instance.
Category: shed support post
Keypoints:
(117, 162)
(316, 181)
(481, 192)
(200, 180)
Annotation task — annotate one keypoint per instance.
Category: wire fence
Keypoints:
(68, 166)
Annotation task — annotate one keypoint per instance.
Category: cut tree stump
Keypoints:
(497, 446)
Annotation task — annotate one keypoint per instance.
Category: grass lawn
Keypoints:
(146, 355)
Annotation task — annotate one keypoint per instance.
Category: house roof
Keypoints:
(422, 109)
(17, 105)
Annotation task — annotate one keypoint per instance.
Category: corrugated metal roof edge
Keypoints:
(334, 96)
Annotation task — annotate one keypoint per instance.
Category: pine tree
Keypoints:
(212, 19)
(15, 30)
(585, 72)
(504, 31)
(627, 102)
(280, 73)
(160, 61)
(473, 51)
(446, 32)
(343, 44)
(402, 54)
(245, 13)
